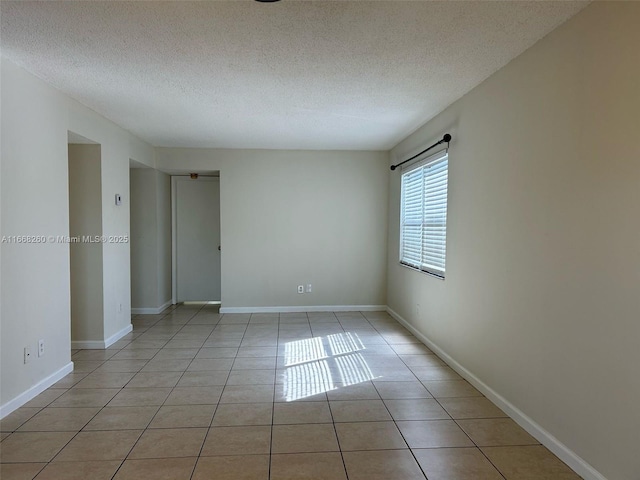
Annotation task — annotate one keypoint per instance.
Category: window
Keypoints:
(423, 217)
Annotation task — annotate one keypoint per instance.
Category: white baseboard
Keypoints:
(316, 308)
(195, 302)
(87, 345)
(144, 311)
(151, 310)
(118, 335)
(34, 391)
(101, 344)
(568, 456)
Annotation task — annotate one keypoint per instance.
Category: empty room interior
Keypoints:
(328, 240)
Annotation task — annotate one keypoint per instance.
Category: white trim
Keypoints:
(314, 308)
(151, 310)
(34, 391)
(145, 311)
(568, 456)
(118, 335)
(101, 344)
(88, 345)
(214, 302)
(419, 270)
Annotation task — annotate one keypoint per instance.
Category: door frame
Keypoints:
(174, 234)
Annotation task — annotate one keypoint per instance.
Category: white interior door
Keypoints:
(197, 239)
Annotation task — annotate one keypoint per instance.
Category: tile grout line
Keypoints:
(204, 440)
(450, 416)
(159, 407)
(172, 388)
(143, 430)
(335, 432)
(394, 420)
(293, 332)
(273, 403)
(94, 416)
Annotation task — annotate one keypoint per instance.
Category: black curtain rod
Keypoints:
(445, 138)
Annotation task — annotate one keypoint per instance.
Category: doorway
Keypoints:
(196, 239)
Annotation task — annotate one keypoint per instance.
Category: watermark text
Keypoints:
(39, 239)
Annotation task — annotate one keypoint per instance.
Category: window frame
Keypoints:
(424, 163)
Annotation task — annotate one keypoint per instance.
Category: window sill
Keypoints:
(414, 269)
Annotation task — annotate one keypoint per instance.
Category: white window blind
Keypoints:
(423, 222)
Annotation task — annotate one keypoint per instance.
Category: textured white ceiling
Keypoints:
(293, 74)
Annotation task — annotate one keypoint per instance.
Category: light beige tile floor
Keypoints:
(191, 394)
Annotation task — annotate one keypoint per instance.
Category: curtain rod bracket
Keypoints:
(445, 138)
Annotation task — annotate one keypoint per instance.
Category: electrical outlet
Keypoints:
(300, 288)
(119, 308)
(27, 354)
(40, 348)
(417, 310)
(308, 288)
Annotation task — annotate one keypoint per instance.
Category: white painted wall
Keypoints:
(144, 238)
(85, 219)
(297, 217)
(35, 280)
(163, 213)
(118, 147)
(541, 298)
(150, 192)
